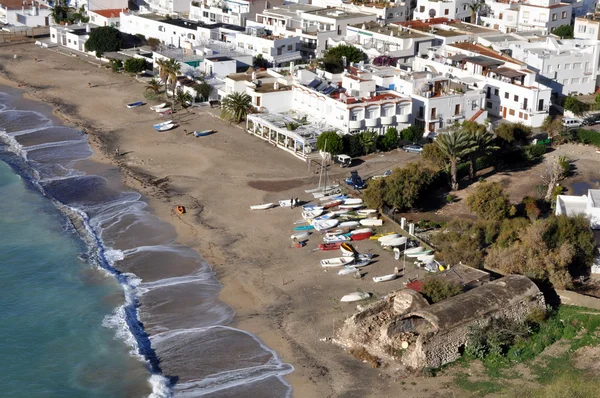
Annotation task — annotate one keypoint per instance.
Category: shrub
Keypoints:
(435, 290)
(533, 153)
(331, 142)
(135, 65)
(489, 201)
(104, 39)
(574, 105)
(588, 137)
(116, 65)
(332, 60)
(513, 132)
(565, 165)
(412, 133)
(389, 140)
(352, 145)
(154, 43)
(450, 198)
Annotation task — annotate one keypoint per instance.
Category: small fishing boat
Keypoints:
(135, 104)
(426, 258)
(311, 207)
(300, 236)
(180, 209)
(165, 113)
(377, 236)
(326, 216)
(331, 192)
(323, 188)
(165, 127)
(337, 231)
(355, 206)
(347, 270)
(335, 238)
(347, 250)
(362, 231)
(333, 203)
(366, 212)
(203, 133)
(336, 261)
(332, 197)
(310, 214)
(325, 224)
(372, 222)
(304, 228)
(348, 224)
(388, 237)
(356, 296)
(264, 206)
(400, 241)
(329, 246)
(361, 236)
(340, 212)
(162, 124)
(417, 254)
(362, 261)
(384, 278)
(417, 249)
(158, 107)
(353, 201)
(285, 203)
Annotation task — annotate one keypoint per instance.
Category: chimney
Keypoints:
(276, 85)
(253, 76)
(87, 28)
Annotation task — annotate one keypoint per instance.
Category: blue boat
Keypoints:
(135, 104)
(203, 133)
(303, 228)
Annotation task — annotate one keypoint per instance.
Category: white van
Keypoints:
(569, 122)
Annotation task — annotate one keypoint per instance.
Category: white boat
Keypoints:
(310, 214)
(340, 212)
(285, 203)
(355, 206)
(261, 207)
(366, 212)
(332, 197)
(326, 216)
(329, 193)
(325, 224)
(300, 236)
(372, 222)
(384, 278)
(414, 250)
(426, 258)
(336, 261)
(331, 238)
(394, 242)
(353, 201)
(347, 270)
(361, 231)
(356, 296)
(418, 254)
(361, 263)
(348, 224)
(162, 124)
(323, 188)
(347, 250)
(159, 107)
(166, 127)
(387, 237)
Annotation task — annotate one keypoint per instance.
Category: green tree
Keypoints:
(183, 97)
(154, 86)
(574, 105)
(373, 196)
(352, 145)
(116, 65)
(482, 144)
(236, 106)
(203, 89)
(135, 65)
(389, 140)
(154, 43)
(405, 187)
(489, 201)
(368, 140)
(475, 6)
(513, 133)
(435, 289)
(564, 31)
(412, 133)
(553, 126)
(454, 145)
(332, 60)
(104, 39)
(434, 156)
(461, 241)
(163, 72)
(330, 142)
(260, 62)
(60, 11)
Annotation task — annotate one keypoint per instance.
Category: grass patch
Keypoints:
(477, 388)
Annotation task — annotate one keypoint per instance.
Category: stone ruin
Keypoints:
(405, 327)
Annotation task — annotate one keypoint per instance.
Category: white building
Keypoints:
(105, 4)
(544, 14)
(275, 49)
(24, 13)
(438, 102)
(269, 90)
(73, 37)
(393, 41)
(448, 31)
(314, 25)
(235, 12)
(566, 66)
(108, 17)
(587, 28)
(451, 9)
(387, 12)
(352, 105)
(587, 205)
(512, 92)
(164, 7)
(502, 16)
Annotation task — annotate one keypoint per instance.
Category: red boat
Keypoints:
(330, 246)
(333, 203)
(362, 236)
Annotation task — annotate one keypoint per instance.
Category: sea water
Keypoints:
(101, 301)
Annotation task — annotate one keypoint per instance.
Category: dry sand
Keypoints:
(280, 293)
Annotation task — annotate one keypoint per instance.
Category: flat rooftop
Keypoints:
(425, 27)
(219, 59)
(470, 28)
(289, 11)
(186, 23)
(337, 13)
(247, 76)
(387, 30)
(18, 4)
(270, 88)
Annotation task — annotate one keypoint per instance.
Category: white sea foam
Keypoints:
(113, 256)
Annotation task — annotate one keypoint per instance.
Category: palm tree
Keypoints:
(475, 6)
(203, 90)
(454, 145)
(163, 72)
(236, 107)
(153, 85)
(60, 11)
(367, 141)
(183, 97)
(173, 69)
(482, 143)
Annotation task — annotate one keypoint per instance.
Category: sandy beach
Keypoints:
(279, 293)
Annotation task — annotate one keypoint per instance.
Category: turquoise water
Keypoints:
(53, 305)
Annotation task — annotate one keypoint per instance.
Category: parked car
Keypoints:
(355, 181)
(413, 148)
(342, 160)
(386, 174)
(590, 121)
(570, 122)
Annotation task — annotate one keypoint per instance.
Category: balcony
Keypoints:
(372, 122)
(387, 120)
(355, 124)
(402, 118)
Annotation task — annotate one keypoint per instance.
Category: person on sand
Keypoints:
(291, 203)
(117, 153)
(90, 85)
(185, 131)
(296, 202)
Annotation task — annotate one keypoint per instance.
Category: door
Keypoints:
(504, 112)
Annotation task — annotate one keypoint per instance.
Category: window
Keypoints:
(581, 29)
(565, 82)
(525, 103)
(265, 50)
(446, 11)
(575, 80)
(520, 115)
(421, 112)
(549, 69)
(564, 14)
(241, 45)
(554, 17)
(422, 9)
(496, 92)
(525, 117)
(511, 112)
(161, 28)
(506, 95)
(250, 47)
(464, 7)
(205, 14)
(516, 98)
(585, 80)
(525, 14)
(290, 47)
(577, 65)
(457, 109)
(488, 105)
(567, 66)
(433, 113)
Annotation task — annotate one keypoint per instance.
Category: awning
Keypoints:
(507, 72)
(279, 59)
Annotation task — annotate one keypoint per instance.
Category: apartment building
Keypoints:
(377, 40)
(235, 12)
(588, 27)
(438, 101)
(447, 31)
(387, 12)
(511, 90)
(164, 7)
(275, 49)
(451, 9)
(269, 90)
(544, 14)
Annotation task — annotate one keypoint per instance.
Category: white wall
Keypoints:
(108, 4)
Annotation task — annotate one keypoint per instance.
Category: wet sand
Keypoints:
(279, 293)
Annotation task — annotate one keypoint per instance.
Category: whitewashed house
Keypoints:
(235, 12)
(587, 28)
(73, 37)
(544, 14)
(269, 90)
(448, 31)
(451, 9)
(587, 205)
(164, 7)
(107, 17)
(25, 13)
(275, 49)
(387, 12)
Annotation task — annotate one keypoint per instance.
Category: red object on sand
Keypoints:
(330, 246)
(362, 236)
